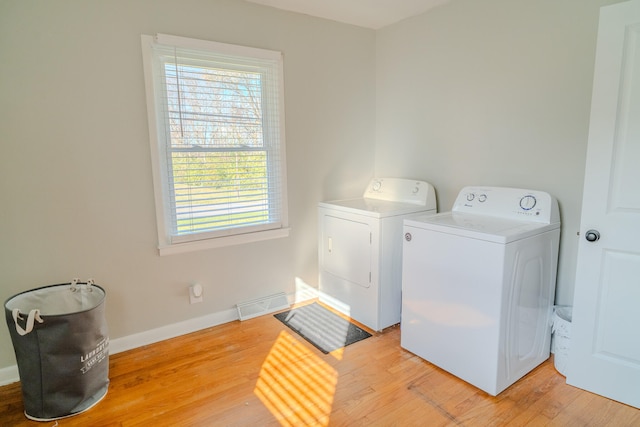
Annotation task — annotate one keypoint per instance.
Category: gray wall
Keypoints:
(75, 171)
(491, 92)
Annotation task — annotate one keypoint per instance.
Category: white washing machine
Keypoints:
(479, 282)
(360, 249)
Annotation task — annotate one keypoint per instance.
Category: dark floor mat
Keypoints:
(324, 329)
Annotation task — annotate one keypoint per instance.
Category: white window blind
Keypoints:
(219, 138)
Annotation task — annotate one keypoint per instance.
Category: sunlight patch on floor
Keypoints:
(295, 384)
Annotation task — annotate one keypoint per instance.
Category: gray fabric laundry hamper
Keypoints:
(61, 342)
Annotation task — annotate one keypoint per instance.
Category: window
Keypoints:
(216, 123)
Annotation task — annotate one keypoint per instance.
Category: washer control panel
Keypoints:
(401, 190)
(505, 202)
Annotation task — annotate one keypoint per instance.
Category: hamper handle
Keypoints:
(31, 318)
(75, 282)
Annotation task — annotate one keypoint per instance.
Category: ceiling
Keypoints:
(373, 14)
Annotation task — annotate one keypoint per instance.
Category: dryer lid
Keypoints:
(375, 208)
(386, 197)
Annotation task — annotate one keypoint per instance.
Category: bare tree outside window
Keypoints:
(218, 159)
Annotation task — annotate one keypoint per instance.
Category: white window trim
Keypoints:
(241, 236)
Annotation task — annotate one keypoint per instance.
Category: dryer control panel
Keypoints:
(401, 190)
(511, 203)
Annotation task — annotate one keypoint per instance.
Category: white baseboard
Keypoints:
(10, 374)
(173, 330)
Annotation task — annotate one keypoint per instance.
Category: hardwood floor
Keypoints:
(259, 373)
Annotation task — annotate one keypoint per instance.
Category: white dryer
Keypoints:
(360, 249)
(479, 283)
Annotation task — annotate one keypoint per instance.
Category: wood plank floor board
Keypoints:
(259, 373)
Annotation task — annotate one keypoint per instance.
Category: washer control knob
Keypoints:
(470, 197)
(482, 198)
(528, 202)
(592, 235)
(376, 186)
(407, 237)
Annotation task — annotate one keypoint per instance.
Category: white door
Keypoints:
(605, 345)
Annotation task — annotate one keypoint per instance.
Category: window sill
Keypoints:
(220, 242)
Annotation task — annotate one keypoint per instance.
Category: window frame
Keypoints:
(168, 241)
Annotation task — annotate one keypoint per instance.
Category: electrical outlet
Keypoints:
(195, 293)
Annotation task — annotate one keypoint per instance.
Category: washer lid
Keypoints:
(375, 208)
(481, 227)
